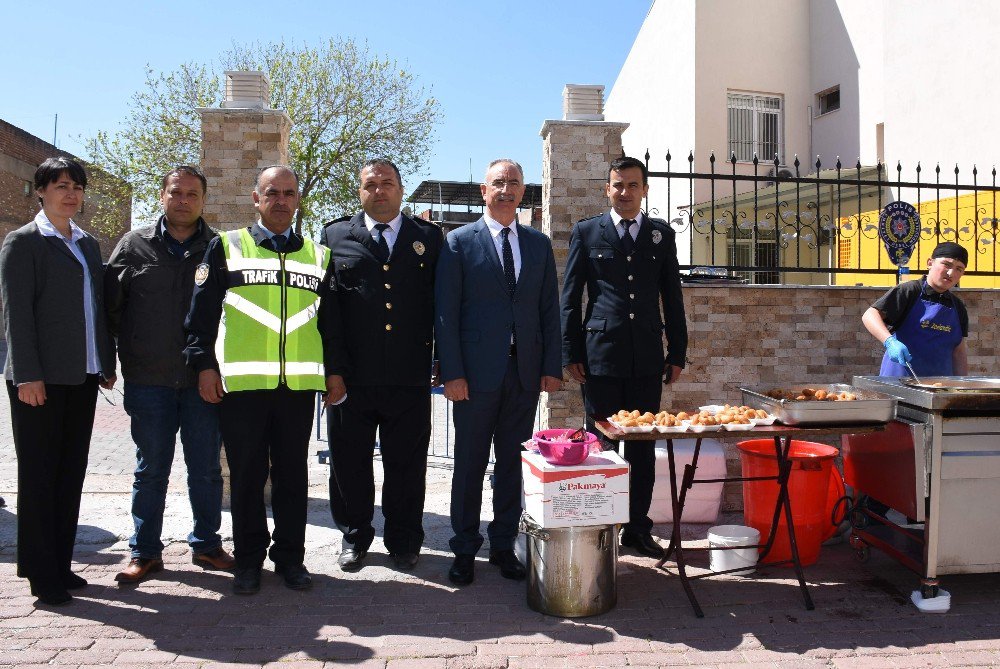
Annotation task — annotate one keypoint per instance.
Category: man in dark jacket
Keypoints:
(384, 264)
(148, 286)
(627, 263)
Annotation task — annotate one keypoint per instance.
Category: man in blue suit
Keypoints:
(627, 262)
(497, 328)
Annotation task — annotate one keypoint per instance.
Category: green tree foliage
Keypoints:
(163, 129)
(346, 105)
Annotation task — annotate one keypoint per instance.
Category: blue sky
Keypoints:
(498, 68)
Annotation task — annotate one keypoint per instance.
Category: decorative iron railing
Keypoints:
(764, 222)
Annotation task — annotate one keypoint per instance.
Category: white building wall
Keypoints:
(654, 91)
(655, 94)
(759, 47)
(864, 23)
(923, 70)
(941, 98)
(834, 62)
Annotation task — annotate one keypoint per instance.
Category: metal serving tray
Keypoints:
(961, 384)
(870, 407)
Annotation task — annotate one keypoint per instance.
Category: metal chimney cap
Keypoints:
(247, 90)
(583, 102)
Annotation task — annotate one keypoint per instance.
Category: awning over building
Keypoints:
(465, 194)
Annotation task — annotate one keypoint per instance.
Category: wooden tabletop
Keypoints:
(758, 432)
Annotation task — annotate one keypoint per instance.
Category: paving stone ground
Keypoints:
(378, 617)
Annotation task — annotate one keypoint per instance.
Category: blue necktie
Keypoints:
(379, 236)
(508, 261)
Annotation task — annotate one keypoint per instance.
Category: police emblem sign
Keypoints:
(899, 228)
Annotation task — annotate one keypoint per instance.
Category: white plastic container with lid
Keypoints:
(726, 536)
(703, 500)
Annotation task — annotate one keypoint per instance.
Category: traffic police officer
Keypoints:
(260, 334)
(627, 262)
(384, 278)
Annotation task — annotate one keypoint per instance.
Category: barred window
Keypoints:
(756, 126)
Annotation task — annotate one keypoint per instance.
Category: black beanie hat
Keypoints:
(951, 250)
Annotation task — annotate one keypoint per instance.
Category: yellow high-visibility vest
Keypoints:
(269, 330)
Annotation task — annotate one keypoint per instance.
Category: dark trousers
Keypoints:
(504, 418)
(268, 430)
(606, 395)
(52, 442)
(402, 415)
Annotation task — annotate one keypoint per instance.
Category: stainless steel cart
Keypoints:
(938, 464)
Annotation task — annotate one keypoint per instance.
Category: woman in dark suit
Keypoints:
(59, 351)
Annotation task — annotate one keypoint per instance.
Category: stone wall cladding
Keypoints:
(783, 335)
(236, 144)
(575, 158)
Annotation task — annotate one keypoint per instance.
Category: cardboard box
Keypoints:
(703, 499)
(594, 492)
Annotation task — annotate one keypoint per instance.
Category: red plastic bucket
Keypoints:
(810, 486)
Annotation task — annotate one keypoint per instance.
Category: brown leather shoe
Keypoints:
(217, 558)
(138, 569)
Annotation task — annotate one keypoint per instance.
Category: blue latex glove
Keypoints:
(897, 351)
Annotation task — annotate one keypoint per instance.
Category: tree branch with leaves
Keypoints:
(346, 105)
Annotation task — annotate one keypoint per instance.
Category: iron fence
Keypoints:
(762, 221)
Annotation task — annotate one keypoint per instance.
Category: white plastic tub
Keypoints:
(703, 500)
(722, 536)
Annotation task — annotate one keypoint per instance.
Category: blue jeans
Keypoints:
(157, 412)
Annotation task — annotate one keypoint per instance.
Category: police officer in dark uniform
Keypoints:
(627, 262)
(384, 264)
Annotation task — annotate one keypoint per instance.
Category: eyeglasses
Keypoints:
(500, 183)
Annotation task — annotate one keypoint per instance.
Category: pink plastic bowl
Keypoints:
(556, 450)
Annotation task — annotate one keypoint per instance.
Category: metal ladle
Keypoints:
(915, 377)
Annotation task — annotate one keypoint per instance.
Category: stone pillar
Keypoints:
(237, 140)
(575, 158)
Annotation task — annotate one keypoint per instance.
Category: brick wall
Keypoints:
(782, 335)
(20, 154)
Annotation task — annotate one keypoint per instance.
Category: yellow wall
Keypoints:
(972, 209)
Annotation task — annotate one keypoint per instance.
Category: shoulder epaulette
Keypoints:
(337, 220)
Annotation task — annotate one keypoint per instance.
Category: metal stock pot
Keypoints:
(571, 570)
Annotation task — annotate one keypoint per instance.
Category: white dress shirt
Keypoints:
(620, 229)
(73, 244)
(515, 248)
(390, 233)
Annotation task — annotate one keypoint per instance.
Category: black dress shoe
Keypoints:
(404, 561)
(463, 570)
(510, 566)
(246, 580)
(297, 577)
(71, 581)
(352, 559)
(643, 544)
(51, 595)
